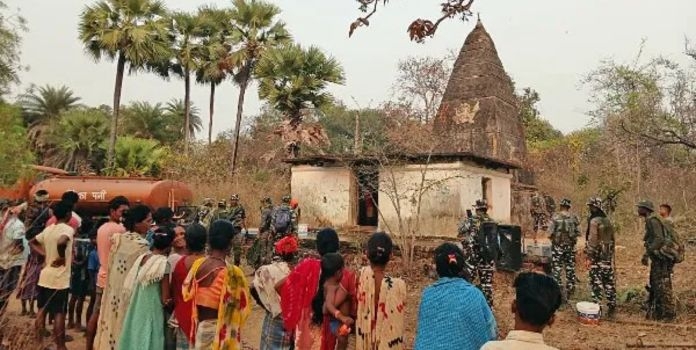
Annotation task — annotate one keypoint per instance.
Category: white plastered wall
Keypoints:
(323, 193)
(452, 188)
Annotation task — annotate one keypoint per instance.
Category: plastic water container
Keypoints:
(302, 230)
(588, 313)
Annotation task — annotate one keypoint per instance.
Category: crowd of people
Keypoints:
(154, 283)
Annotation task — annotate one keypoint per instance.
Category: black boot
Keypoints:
(611, 311)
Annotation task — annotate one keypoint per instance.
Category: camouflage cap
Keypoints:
(266, 200)
(481, 204)
(595, 202)
(222, 202)
(286, 198)
(646, 204)
(565, 202)
(234, 197)
(208, 201)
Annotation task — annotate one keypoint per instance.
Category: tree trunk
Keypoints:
(187, 109)
(240, 108)
(118, 85)
(212, 110)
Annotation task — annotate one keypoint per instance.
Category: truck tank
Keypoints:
(96, 191)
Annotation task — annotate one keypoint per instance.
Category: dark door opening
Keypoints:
(368, 195)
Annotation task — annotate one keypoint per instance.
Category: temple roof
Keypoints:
(479, 112)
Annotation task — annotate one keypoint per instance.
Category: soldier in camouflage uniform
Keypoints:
(550, 205)
(204, 212)
(600, 253)
(237, 215)
(539, 212)
(661, 302)
(261, 251)
(564, 231)
(279, 214)
(478, 261)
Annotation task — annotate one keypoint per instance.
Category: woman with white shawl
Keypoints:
(126, 248)
(147, 287)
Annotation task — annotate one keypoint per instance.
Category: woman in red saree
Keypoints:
(195, 237)
(299, 289)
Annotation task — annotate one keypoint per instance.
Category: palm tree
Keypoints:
(214, 53)
(145, 120)
(185, 30)
(292, 80)
(138, 157)
(43, 106)
(77, 139)
(176, 109)
(258, 30)
(129, 31)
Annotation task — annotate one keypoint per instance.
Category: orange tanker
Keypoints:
(96, 191)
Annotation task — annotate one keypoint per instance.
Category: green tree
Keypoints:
(214, 53)
(77, 139)
(538, 131)
(138, 157)
(342, 125)
(42, 107)
(293, 79)
(651, 101)
(258, 30)
(185, 29)
(133, 33)
(11, 27)
(176, 109)
(16, 154)
(147, 121)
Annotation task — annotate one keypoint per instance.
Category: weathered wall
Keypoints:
(324, 193)
(453, 188)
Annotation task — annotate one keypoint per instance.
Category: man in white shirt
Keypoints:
(55, 243)
(11, 251)
(538, 296)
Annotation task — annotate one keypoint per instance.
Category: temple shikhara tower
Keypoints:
(479, 112)
(479, 153)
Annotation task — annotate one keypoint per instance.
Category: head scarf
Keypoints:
(287, 245)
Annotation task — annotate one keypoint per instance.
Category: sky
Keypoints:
(549, 45)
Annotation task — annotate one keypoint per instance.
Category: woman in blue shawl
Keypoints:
(453, 313)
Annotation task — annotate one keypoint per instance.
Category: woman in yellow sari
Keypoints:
(220, 294)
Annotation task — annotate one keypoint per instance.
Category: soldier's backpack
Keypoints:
(605, 232)
(673, 249)
(488, 240)
(567, 229)
(282, 220)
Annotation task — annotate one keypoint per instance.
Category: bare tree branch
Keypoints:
(419, 29)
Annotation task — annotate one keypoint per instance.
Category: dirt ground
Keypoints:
(628, 330)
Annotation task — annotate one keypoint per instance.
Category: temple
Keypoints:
(479, 112)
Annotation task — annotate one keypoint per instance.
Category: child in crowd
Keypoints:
(332, 299)
(78, 284)
(537, 298)
(92, 268)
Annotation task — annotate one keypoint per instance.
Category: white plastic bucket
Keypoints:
(588, 313)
